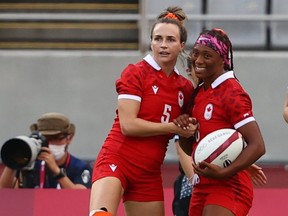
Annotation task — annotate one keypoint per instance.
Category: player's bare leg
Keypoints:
(155, 208)
(106, 192)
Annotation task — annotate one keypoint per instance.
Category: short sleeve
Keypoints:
(130, 81)
(238, 105)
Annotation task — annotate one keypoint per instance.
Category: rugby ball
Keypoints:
(221, 147)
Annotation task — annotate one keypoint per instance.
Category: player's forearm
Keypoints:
(8, 179)
(142, 128)
(185, 161)
(66, 183)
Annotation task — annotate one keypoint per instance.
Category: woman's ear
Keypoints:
(223, 64)
(182, 46)
(70, 138)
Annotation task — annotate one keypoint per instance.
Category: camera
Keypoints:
(21, 152)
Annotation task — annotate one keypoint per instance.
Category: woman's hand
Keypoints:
(47, 156)
(188, 128)
(208, 170)
(258, 177)
(184, 121)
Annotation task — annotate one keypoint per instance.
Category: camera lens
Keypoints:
(15, 153)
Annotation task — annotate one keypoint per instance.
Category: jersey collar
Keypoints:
(222, 78)
(150, 60)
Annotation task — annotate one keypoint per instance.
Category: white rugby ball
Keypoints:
(221, 147)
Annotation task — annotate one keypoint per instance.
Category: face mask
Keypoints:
(58, 151)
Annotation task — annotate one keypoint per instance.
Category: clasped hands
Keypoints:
(187, 125)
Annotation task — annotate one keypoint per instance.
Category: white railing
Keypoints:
(143, 19)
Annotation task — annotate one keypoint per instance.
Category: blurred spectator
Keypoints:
(55, 167)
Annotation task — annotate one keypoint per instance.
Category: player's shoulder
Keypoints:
(233, 83)
(232, 86)
(137, 68)
(234, 91)
(139, 65)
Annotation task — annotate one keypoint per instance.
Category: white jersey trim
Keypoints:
(243, 122)
(150, 60)
(128, 96)
(222, 78)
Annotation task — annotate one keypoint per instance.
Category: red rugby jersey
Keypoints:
(225, 104)
(162, 99)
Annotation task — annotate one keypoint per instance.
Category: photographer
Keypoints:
(54, 167)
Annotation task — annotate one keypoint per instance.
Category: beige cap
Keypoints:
(52, 124)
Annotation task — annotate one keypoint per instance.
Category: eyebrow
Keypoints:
(159, 35)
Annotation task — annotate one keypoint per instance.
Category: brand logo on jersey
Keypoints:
(86, 176)
(246, 115)
(113, 167)
(155, 89)
(180, 98)
(208, 111)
